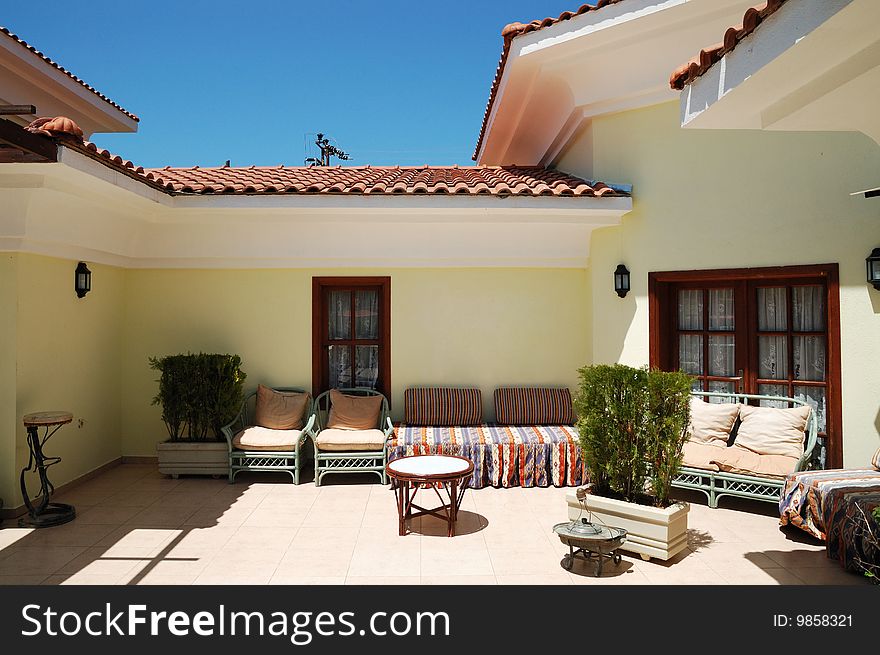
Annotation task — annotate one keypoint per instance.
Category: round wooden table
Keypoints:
(42, 513)
(414, 472)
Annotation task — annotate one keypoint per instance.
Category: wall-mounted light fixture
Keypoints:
(82, 280)
(621, 280)
(872, 263)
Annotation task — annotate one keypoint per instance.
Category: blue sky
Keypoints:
(391, 82)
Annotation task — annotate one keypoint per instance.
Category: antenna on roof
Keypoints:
(328, 150)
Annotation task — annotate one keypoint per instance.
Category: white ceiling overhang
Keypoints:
(80, 209)
(616, 58)
(26, 79)
(808, 66)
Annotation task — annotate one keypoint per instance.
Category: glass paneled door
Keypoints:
(763, 331)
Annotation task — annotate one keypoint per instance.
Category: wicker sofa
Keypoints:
(735, 463)
(533, 441)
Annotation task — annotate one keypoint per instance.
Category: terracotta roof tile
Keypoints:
(528, 181)
(754, 16)
(55, 64)
(514, 30)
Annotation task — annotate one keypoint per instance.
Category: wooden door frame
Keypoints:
(660, 282)
(319, 284)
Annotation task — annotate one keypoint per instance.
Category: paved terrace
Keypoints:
(135, 526)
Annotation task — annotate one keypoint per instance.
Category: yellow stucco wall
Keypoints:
(482, 327)
(66, 356)
(708, 199)
(8, 303)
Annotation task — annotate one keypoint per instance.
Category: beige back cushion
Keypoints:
(773, 431)
(280, 410)
(353, 412)
(875, 460)
(711, 423)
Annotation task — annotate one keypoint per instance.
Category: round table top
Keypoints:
(430, 466)
(47, 418)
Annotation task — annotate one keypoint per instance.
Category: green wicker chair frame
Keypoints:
(716, 484)
(358, 461)
(263, 460)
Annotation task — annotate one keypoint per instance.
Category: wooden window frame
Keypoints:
(319, 286)
(660, 286)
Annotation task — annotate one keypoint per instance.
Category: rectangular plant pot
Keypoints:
(193, 457)
(651, 531)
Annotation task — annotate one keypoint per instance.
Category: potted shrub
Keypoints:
(198, 394)
(632, 424)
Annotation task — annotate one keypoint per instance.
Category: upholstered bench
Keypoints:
(532, 443)
(737, 449)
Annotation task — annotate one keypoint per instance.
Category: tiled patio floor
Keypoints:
(135, 526)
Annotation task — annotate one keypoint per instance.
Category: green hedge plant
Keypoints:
(632, 424)
(198, 393)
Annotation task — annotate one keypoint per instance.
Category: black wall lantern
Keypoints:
(82, 280)
(621, 280)
(873, 265)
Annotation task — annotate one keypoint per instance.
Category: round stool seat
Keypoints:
(47, 418)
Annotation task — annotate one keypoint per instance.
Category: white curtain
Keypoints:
(339, 314)
(808, 309)
(690, 309)
(366, 312)
(772, 309)
(339, 358)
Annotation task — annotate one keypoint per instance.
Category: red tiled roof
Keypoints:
(361, 180)
(54, 64)
(510, 32)
(754, 16)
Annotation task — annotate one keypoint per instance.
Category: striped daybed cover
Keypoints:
(532, 444)
(809, 498)
(852, 531)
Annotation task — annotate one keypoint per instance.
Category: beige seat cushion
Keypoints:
(773, 431)
(350, 440)
(740, 460)
(259, 438)
(701, 455)
(353, 412)
(280, 410)
(711, 423)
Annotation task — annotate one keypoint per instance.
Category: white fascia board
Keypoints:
(735, 90)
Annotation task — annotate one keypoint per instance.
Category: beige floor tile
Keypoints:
(68, 534)
(137, 498)
(610, 576)
(459, 580)
(18, 580)
(760, 576)
(137, 542)
(801, 558)
(10, 536)
(343, 518)
(94, 562)
(44, 560)
(199, 542)
(107, 514)
(281, 578)
(515, 561)
(230, 517)
(383, 580)
(828, 576)
(151, 578)
(311, 537)
(282, 517)
(550, 578)
(80, 497)
(333, 562)
(237, 576)
(85, 579)
(377, 558)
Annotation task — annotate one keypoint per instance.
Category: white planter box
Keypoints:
(651, 531)
(193, 457)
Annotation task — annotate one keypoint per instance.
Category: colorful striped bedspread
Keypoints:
(850, 526)
(808, 496)
(503, 456)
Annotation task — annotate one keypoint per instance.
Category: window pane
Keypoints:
(815, 396)
(696, 384)
(366, 371)
(690, 309)
(339, 314)
(366, 314)
(720, 387)
(721, 309)
(808, 309)
(809, 358)
(690, 353)
(722, 350)
(773, 390)
(772, 309)
(339, 360)
(773, 358)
